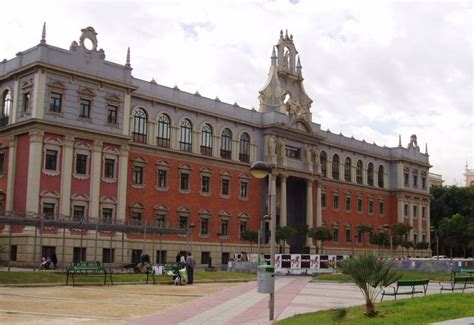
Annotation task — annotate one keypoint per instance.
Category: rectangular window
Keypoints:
(160, 219)
(55, 102)
(138, 175)
(2, 163)
(13, 252)
(51, 160)
(84, 108)
(423, 182)
(244, 189)
(183, 222)
(184, 182)
(381, 207)
(407, 179)
(415, 181)
(204, 226)
(371, 206)
(107, 215)
(79, 254)
(109, 168)
(78, 212)
(292, 152)
(136, 218)
(359, 237)
(48, 210)
(335, 202)
(26, 102)
(205, 184)
(415, 211)
(224, 227)
(243, 227)
(359, 204)
(162, 178)
(423, 212)
(81, 164)
(136, 254)
(160, 257)
(405, 210)
(225, 187)
(112, 114)
(205, 257)
(348, 236)
(323, 200)
(108, 255)
(335, 234)
(348, 203)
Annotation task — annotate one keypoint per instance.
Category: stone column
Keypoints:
(11, 174)
(235, 150)
(95, 179)
(319, 214)
(428, 224)
(309, 207)
(66, 174)
(152, 132)
(15, 108)
(122, 183)
(216, 150)
(364, 176)
(126, 113)
(174, 137)
(283, 211)
(34, 171)
(39, 91)
(400, 214)
(410, 222)
(195, 146)
(420, 227)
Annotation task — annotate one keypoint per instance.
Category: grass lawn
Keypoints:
(424, 310)
(407, 275)
(60, 278)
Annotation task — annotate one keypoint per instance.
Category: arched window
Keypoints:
(244, 152)
(226, 144)
(370, 174)
(140, 122)
(164, 134)
(380, 176)
(335, 167)
(359, 172)
(6, 105)
(186, 136)
(348, 170)
(206, 140)
(323, 159)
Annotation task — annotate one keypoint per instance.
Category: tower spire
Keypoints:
(273, 57)
(298, 67)
(127, 63)
(399, 140)
(43, 34)
(426, 148)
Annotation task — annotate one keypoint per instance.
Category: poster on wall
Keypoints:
(332, 261)
(278, 268)
(295, 263)
(314, 263)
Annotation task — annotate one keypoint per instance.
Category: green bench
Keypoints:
(461, 279)
(415, 286)
(87, 268)
(150, 272)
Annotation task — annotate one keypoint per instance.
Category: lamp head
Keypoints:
(260, 169)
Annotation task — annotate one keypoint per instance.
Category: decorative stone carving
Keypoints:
(281, 148)
(271, 145)
(89, 34)
(413, 143)
(308, 154)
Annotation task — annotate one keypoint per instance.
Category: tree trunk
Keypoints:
(370, 309)
(322, 247)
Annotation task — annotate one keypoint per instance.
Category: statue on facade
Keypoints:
(413, 143)
(308, 153)
(281, 148)
(271, 145)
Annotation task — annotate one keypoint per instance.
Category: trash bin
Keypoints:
(266, 279)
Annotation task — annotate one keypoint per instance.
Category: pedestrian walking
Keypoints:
(190, 265)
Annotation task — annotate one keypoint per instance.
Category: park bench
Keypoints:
(461, 279)
(150, 272)
(87, 268)
(415, 286)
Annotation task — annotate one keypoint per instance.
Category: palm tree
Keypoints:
(370, 275)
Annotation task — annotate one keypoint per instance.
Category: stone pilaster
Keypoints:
(283, 208)
(39, 91)
(319, 214)
(34, 171)
(66, 174)
(309, 207)
(127, 102)
(122, 183)
(96, 160)
(11, 174)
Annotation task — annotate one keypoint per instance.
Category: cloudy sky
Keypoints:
(374, 69)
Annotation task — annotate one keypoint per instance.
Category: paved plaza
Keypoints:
(201, 303)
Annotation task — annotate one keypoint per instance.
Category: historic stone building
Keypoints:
(82, 139)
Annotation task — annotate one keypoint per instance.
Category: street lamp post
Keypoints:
(190, 238)
(222, 250)
(391, 238)
(435, 231)
(260, 170)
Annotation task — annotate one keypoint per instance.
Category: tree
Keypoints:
(406, 244)
(319, 233)
(370, 274)
(363, 229)
(421, 246)
(282, 235)
(379, 239)
(456, 231)
(399, 234)
(250, 236)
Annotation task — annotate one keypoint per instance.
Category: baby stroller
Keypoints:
(180, 276)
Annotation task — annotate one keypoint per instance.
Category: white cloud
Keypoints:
(374, 69)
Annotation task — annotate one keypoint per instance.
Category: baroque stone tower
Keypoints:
(284, 91)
